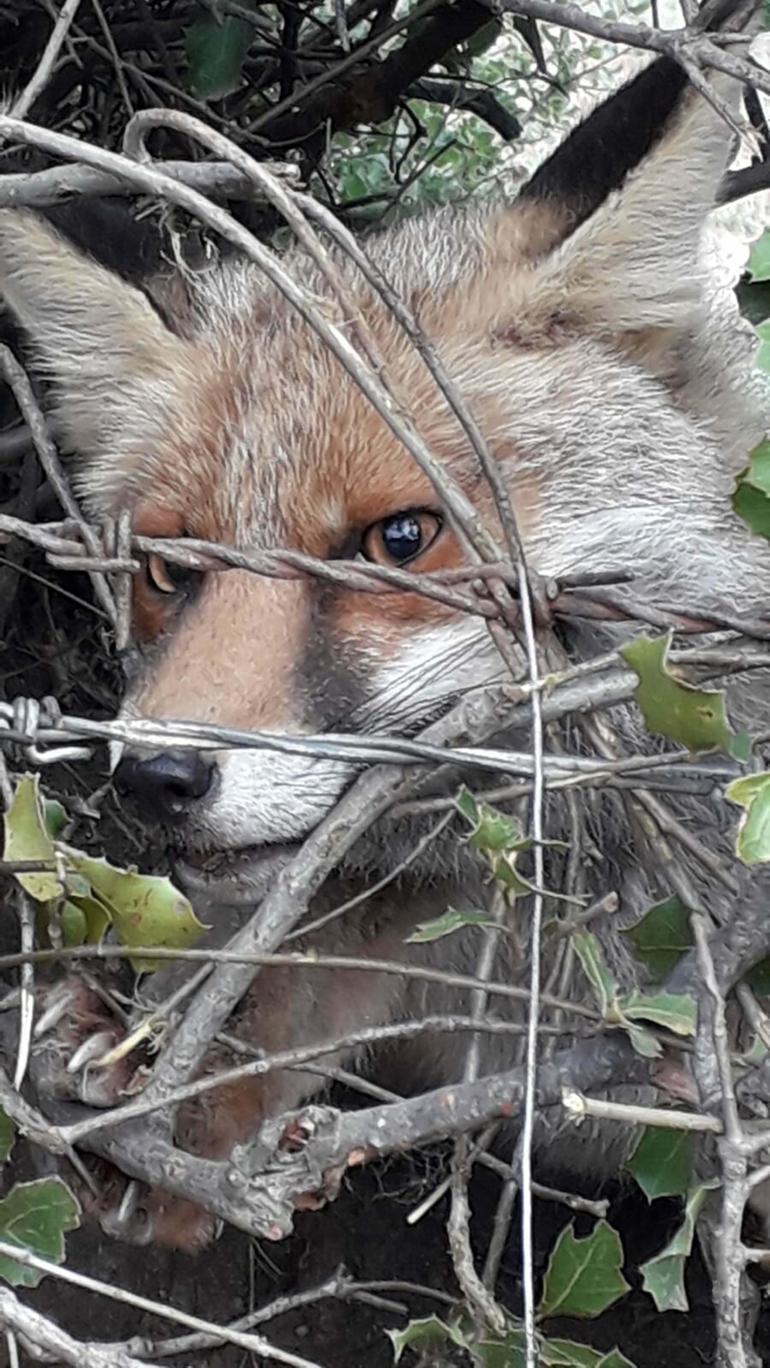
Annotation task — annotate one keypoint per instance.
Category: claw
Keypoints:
(91, 1050)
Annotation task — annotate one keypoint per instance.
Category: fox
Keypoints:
(613, 380)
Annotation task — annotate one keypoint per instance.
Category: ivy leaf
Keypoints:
(26, 838)
(662, 936)
(752, 843)
(144, 909)
(450, 921)
(215, 55)
(589, 951)
(583, 1277)
(7, 1136)
(662, 1162)
(36, 1216)
(673, 1011)
(663, 1274)
(695, 718)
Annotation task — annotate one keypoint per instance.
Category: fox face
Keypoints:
(578, 325)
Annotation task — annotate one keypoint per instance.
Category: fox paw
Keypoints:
(75, 1028)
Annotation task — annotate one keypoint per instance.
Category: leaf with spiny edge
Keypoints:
(752, 793)
(451, 920)
(673, 1011)
(662, 1162)
(583, 1276)
(663, 1274)
(26, 838)
(591, 955)
(145, 909)
(662, 936)
(419, 1334)
(694, 718)
(36, 1216)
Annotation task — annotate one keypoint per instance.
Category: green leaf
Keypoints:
(759, 258)
(753, 507)
(643, 1041)
(7, 1135)
(583, 1277)
(673, 1011)
(508, 1352)
(215, 55)
(758, 978)
(695, 718)
(752, 843)
(83, 920)
(662, 1162)
(450, 921)
(55, 817)
(421, 1333)
(662, 936)
(144, 909)
(36, 1216)
(663, 1275)
(26, 838)
(567, 1354)
(589, 951)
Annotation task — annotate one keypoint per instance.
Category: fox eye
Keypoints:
(164, 577)
(401, 537)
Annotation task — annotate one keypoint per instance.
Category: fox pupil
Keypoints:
(402, 536)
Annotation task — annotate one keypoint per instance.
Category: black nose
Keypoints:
(165, 783)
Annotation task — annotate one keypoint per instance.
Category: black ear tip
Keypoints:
(598, 155)
(107, 231)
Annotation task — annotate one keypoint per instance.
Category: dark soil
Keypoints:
(366, 1232)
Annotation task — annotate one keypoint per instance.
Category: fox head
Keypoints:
(579, 325)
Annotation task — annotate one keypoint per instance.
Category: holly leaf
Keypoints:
(567, 1354)
(663, 1274)
(36, 1216)
(751, 499)
(759, 258)
(215, 54)
(694, 718)
(451, 920)
(673, 1011)
(144, 909)
(662, 1162)
(583, 1277)
(508, 1352)
(26, 838)
(752, 842)
(420, 1334)
(589, 951)
(7, 1136)
(55, 817)
(662, 936)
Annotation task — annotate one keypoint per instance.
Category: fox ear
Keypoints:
(110, 356)
(621, 253)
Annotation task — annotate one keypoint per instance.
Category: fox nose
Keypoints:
(167, 783)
